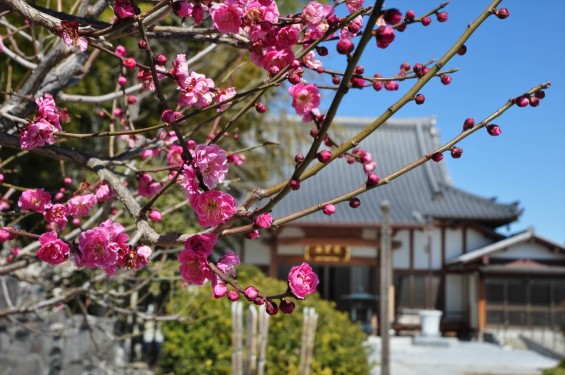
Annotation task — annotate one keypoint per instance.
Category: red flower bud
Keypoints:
(345, 46)
(494, 130)
(373, 179)
(294, 184)
(324, 156)
(442, 16)
(410, 15)
(522, 101)
(469, 123)
(328, 209)
(286, 306)
(445, 79)
(299, 158)
(129, 63)
(233, 295)
(251, 293)
(502, 13)
(540, 94)
(437, 156)
(456, 152)
(534, 101)
(420, 99)
(426, 21)
(271, 308)
(336, 80)
(354, 202)
(462, 50)
(161, 59)
(260, 107)
(142, 44)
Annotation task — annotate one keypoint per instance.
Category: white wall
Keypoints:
(527, 250)
(476, 240)
(455, 293)
(421, 256)
(256, 252)
(401, 256)
(453, 243)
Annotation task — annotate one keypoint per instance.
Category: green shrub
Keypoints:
(558, 370)
(202, 343)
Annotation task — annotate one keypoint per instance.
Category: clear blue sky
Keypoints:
(505, 58)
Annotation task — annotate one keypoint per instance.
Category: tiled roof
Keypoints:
(423, 192)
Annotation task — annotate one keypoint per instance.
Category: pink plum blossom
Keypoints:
(70, 35)
(305, 97)
(34, 200)
(223, 95)
(227, 263)
(57, 215)
(201, 244)
(37, 134)
(94, 249)
(227, 16)
(302, 280)
(180, 70)
(315, 13)
(214, 207)
(147, 186)
(211, 161)
(189, 182)
(194, 267)
(104, 193)
(81, 205)
(53, 250)
(47, 109)
(123, 9)
(276, 60)
(196, 91)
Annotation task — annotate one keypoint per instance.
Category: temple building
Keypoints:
(447, 253)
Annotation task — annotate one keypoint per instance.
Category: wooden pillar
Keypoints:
(385, 277)
(482, 305)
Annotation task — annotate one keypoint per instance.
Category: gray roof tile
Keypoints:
(426, 190)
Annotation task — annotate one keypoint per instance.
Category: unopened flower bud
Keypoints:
(456, 152)
(168, 116)
(534, 101)
(324, 156)
(468, 124)
(155, 215)
(373, 179)
(336, 80)
(502, 13)
(445, 79)
(437, 156)
(345, 46)
(462, 50)
(271, 308)
(322, 51)
(294, 184)
(220, 290)
(286, 306)
(328, 209)
(252, 235)
(442, 16)
(129, 63)
(122, 81)
(142, 44)
(410, 15)
(522, 101)
(540, 94)
(233, 295)
(161, 59)
(420, 99)
(494, 130)
(299, 158)
(426, 21)
(260, 107)
(251, 293)
(354, 202)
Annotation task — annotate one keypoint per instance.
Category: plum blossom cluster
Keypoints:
(42, 128)
(104, 247)
(196, 90)
(208, 168)
(56, 214)
(195, 268)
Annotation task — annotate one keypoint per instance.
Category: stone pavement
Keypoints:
(459, 358)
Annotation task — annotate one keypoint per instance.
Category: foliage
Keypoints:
(202, 345)
(557, 370)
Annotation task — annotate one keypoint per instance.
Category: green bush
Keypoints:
(558, 370)
(202, 343)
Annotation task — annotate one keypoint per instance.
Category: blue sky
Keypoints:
(505, 58)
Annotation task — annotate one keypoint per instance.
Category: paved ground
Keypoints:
(459, 358)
